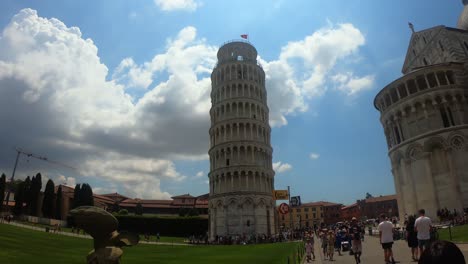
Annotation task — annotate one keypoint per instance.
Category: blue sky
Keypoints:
(124, 97)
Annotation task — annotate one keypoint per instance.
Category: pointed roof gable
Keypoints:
(435, 45)
(417, 46)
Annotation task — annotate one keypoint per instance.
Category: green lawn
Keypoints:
(459, 233)
(20, 245)
(69, 230)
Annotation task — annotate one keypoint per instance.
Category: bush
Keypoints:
(123, 212)
(173, 226)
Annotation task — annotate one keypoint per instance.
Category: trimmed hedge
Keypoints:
(171, 226)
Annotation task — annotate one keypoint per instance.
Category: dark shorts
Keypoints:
(387, 245)
(423, 243)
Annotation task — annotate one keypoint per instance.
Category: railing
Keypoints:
(235, 59)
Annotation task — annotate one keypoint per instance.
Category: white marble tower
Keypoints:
(241, 175)
(425, 120)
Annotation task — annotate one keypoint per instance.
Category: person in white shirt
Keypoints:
(423, 227)
(386, 238)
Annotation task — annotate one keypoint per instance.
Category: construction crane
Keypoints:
(20, 151)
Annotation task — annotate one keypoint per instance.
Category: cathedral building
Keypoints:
(425, 121)
(241, 175)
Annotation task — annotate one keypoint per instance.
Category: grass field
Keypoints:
(152, 237)
(459, 233)
(20, 245)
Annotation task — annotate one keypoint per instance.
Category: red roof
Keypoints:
(115, 196)
(320, 203)
(182, 196)
(381, 198)
(349, 206)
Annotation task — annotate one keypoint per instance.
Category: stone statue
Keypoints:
(102, 226)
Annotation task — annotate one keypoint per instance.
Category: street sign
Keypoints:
(283, 208)
(280, 194)
(295, 201)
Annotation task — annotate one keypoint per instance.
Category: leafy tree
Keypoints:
(76, 196)
(139, 209)
(368, 195)
(58, 203)
(35, 191)
(49, 200)
(2, 189)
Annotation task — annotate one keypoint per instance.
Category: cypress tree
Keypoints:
(36, 186)
(2, 189)
(58, 203)
(19, 199)
(26, 193)
(49, 200)
(86, 195)
(76, 196)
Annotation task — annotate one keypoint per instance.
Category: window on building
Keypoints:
(445, 119)
(314, 215)
(397, 135)
(306, 209)
(449, 111)
(227, 162)
(240, 58)
(298, 210)
(307, 216)
(414, 53)
(321, 215)
(314, 209)
(282, 217)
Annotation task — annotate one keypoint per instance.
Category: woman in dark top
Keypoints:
(411, 236)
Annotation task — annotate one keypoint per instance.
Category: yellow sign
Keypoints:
(280, 194)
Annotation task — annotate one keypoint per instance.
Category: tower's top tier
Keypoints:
(237, 51)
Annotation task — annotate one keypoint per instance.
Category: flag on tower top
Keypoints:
(245, 36)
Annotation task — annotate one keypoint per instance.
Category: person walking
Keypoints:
(331, 244)
(386, 238)
(411, 237)
(422, 226)
(310, 249)
(356, 244)
(324, 243)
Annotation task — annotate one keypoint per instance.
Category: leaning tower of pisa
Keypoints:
(241, 175)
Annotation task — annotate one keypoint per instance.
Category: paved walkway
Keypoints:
(373, 253)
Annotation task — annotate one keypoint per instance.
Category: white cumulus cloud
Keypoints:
(199, 174)
(172, 5)
(280, 167)
(57, 97)
(304, 67)
(351, 85)
(314, 156)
